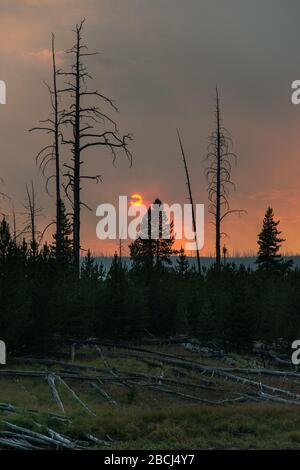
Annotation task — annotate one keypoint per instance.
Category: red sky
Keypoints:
(161, 61)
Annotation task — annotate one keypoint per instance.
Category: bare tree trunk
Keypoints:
(14, 225)
(32, 212)
(57, 158)
(31, 202)
(191, 201)
(83, 119)
(218, 187)
(51, 152)
(218, 175)
(76, 182)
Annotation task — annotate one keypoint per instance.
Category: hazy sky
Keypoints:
(160, 60)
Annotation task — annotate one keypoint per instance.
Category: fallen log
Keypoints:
(154, 378)
(194, 398)
(103, 393)
(67, 365)
(267, 397)
(75, 396)
(284, 363)
(13, 443)
(224, 372)
(221, 372)
(7, 407)
(53, 440)
(27, 433)
(261, 371)
(54, 392)
(109, 368)
(95, 440)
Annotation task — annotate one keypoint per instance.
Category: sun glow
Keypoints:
(136, 200)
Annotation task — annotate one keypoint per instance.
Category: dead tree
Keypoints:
(51, 152)
(225, 252)
(32, 213)
(84, 119)
(191, 201)
(218, 175)
(57, 158)
(14, 226)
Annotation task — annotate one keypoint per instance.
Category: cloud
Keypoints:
(288, 197)
(160, 61)
(45, 56)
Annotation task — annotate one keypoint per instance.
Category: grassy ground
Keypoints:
(146, 419)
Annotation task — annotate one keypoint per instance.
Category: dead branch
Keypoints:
(54, 392)
(103, 393)
(75, 396)
(191, 200)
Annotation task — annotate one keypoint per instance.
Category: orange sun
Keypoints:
(136, 199)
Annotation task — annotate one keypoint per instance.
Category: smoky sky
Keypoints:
(160, 60)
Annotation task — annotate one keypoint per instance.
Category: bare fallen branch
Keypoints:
(54, 392)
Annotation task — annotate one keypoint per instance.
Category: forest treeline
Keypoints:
(42, 300)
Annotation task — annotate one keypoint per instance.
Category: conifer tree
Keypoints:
(102, 271)
(6, 243)
(65, 242)
(181, 323)
(182, 267)
(154, 244)
(90, 268)
(269, 242)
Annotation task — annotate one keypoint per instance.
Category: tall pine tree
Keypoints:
(182, 264)
(269, 242)
(154, 244)
(90, 268)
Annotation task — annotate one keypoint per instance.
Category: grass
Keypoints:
(255, 426)
(145, 419)
(198, 427)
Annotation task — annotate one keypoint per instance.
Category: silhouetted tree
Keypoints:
(83, 119)
(15, 236)
(191, 201)
(269, 243)
(51, 152)
(102, 271)
(181, 316)
(154, 244)
(66, 243)
(182, 267)
(32, 213)
(6, 242)
(90, 269)
(225, 253)
(218, 175)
